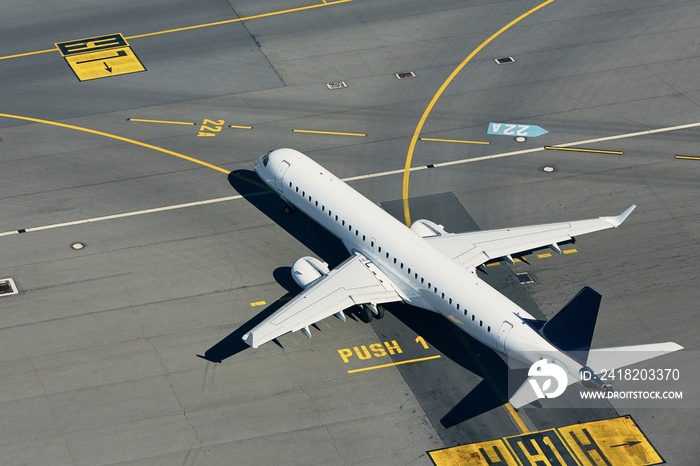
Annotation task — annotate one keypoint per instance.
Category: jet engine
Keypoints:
(426, 228)
(307, 270)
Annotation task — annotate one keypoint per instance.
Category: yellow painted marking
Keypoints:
(105, 64)
(100, 57)
(258, 303)
(456, 141)
(240, 127)
(516, 417)
(115, 137)
(687, 157)
(200, 26)
(392, 364)
(455, 320)
(581, 149)
(614, 442)
(569, 251)
(438, 94)
(493, 264)
(544, 255)
(162, 122)
(332, 133)
(239, 20)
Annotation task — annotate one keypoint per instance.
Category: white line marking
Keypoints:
(352, 178)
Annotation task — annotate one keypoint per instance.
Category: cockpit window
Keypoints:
(266, 159)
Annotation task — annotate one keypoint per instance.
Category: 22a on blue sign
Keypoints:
(512, 129)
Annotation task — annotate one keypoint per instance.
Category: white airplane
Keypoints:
(429, 268)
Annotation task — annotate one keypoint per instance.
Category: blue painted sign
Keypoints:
(512, 129)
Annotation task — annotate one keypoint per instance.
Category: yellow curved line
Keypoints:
(438, 94)
(114, 136)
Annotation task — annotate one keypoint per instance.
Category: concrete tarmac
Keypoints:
(98, 351)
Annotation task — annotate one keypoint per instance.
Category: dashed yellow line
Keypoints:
(569, 251)
(583, 149)
(258, 303)
(455, 141)
(240, 126)
(438, 94)
(331, 133)
(115, 137)
(162, 122)
(687, 157)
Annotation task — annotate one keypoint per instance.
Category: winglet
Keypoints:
(618, 219)
(248, 338)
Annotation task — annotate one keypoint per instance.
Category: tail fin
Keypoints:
(571, 329)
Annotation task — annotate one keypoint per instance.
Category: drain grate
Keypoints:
(524, 278)
(337, 85)
(405, 75)
(7, 287)
(504, 60)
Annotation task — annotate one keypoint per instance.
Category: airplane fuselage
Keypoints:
(424, 276)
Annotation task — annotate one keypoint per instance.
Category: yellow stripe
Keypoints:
(514, 414)
(581, 149)
(332, 133)
(687, 157)
(569, 251)
(238, 20)
(240, 127)
(164, 122)
(115, 137)
(544, 256)
(458, 141)
(258, 303)
(438, 94)
(198, 26)
(28, 54)
(382, 366)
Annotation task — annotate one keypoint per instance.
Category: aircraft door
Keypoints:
(279, 175)
(502, 335)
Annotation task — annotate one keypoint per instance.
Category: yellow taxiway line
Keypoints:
(331, 133)
(456, 141)
(199, 26)
(687, 157)
(393, 364)
(162, 122)
(582, 149)
(115, 137)
(438, 94)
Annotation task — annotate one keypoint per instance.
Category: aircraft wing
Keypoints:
(475, 248)
(355, 281)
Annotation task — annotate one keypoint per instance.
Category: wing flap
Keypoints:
(475, 248)
(355, 281)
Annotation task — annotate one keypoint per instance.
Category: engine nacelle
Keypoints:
(426, 228)
(307, 270)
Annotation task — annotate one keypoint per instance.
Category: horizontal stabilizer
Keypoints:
(600, 359)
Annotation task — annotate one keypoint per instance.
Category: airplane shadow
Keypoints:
(498, 379)
(316, 238)
(323, 244)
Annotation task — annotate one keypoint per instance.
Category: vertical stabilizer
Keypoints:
(571, 329)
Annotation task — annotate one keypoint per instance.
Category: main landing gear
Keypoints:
(369, 311)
